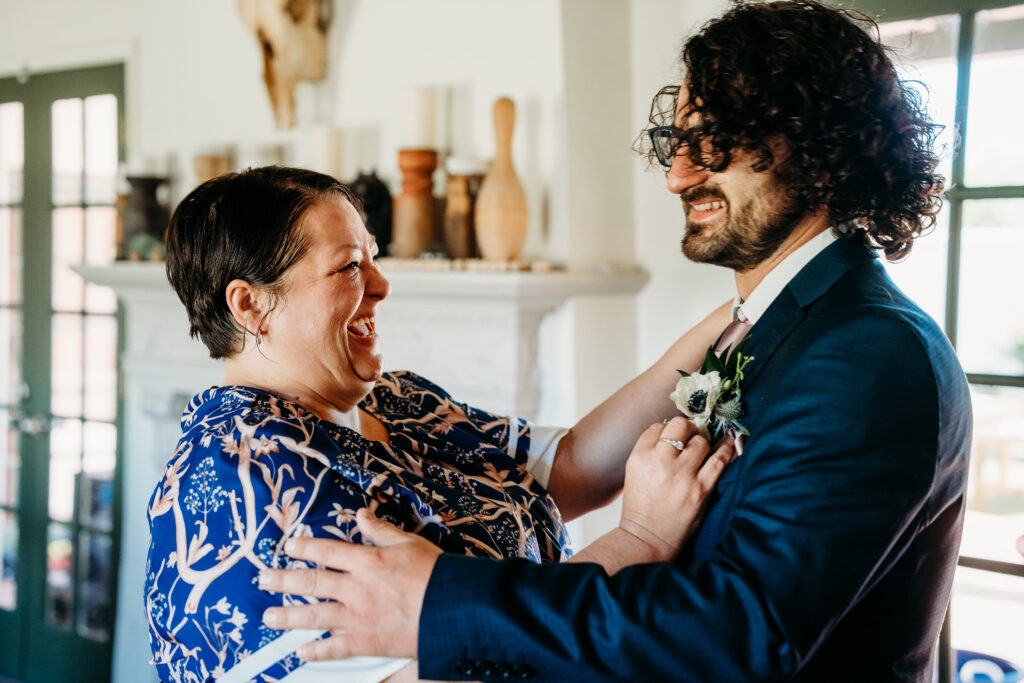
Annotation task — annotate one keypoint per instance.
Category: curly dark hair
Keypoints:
(861, 142)
(240, 226)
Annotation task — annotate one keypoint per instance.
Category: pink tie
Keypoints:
(733, 335)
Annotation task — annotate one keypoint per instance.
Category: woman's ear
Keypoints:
(247, 304)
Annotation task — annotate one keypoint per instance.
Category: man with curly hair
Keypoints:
(799, 155)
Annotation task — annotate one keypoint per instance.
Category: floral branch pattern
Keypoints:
(252, 470)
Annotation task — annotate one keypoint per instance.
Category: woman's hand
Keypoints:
(590, 462)
(666, 488)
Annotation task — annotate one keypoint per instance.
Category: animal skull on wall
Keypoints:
(293, 37)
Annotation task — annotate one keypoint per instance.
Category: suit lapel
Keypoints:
(813, 280)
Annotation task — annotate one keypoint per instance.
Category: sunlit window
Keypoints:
(969, 65)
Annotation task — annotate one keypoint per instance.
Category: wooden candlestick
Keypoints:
(501, 217)
(459, 230)
(415, 222)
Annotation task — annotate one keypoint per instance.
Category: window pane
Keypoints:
(990, 332)
(995, 137)
(59, 598)
(10, 356)
(66, 365)
(93, 591)
(100, 441)
(101, 149)
(100, 367)
(12, 152)
(926, 52)
(100, 222)
(986, 604)
(995, 500)
(8, 560)
(68, 287)
(10, 256)
(986, 610)
(10, 459)
(65, 462)
(922, 275)
(67, 151)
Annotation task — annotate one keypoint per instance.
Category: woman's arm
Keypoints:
(590, 461)
(665, 492)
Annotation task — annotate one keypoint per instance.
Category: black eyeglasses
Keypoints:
(666, 141)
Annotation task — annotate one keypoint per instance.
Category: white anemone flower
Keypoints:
(695, 397)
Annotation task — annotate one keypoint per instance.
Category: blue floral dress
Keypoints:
(252, 470)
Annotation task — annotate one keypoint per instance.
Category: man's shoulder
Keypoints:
(867, 306)
(864, 333)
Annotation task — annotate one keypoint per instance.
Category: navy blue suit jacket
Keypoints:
(828, 552)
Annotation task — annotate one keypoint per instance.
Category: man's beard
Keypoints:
(752, 232)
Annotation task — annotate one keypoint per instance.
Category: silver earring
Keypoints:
(259, 336)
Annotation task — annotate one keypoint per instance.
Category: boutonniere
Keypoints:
(711, 398)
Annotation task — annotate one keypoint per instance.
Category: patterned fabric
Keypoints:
(252, 470)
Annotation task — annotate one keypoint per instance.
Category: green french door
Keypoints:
(60, 144)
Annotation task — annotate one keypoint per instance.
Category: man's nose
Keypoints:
(684, 174)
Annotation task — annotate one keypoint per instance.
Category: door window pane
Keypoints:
(8, 560)
(66, 365)
(922, 275)
(101, 149)
(100, 367)
(12, 152)
(94, 589)
(67, 152)
(98, 459)
(68, 250)
(926, 58)
(100, 226)
(10, 459)
(990, 332)
(10, 256)
(10, 356)
(65, 460)
(59, 596)
(995, 137)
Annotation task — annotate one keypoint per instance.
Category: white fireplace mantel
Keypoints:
(141, 281)
(475, 333)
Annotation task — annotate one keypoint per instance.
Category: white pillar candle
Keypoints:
(318, 148)
(442, 122)
(418, 118)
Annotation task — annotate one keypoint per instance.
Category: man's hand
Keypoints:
(376, 594)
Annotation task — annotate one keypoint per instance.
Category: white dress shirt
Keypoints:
(778, 277)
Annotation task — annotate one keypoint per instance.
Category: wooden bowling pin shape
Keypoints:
(501, 217)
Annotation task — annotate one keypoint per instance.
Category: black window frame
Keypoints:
(885, 11)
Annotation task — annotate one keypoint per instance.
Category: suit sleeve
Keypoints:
(832, 487)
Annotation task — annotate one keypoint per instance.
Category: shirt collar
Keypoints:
(778, 277)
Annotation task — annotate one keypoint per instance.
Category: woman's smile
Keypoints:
(364, 328)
